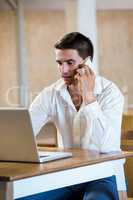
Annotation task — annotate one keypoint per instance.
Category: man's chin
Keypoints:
(67, 82)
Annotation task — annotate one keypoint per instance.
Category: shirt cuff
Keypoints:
(92, 109)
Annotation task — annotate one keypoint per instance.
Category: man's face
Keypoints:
(68, 61)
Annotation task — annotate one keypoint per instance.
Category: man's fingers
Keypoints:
(81, 71)
(77, 77)
(91, 72)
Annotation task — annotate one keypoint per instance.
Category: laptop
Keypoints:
(17, 140)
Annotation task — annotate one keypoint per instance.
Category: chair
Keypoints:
(127, 145)
(47, 136)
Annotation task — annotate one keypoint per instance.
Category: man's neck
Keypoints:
(75, 95)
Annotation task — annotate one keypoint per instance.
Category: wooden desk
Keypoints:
(23, 179)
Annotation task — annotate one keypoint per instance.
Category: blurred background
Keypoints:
(29, 29)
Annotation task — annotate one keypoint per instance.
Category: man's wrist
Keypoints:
(89, 99)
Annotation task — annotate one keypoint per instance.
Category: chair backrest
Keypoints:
(127, 145)
(127, 132)
(127, 140)
(47, 135)
(127, 122)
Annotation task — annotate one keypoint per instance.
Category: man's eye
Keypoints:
(59, 63)
(70, 63)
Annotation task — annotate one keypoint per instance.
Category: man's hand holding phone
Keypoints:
(86, 83)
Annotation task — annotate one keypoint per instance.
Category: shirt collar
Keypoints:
(61, 88)
(62, 91)
(98, 86)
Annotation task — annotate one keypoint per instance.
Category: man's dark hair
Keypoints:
(77, 41)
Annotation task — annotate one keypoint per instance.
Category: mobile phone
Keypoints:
(88, 63)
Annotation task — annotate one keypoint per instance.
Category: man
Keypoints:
(87, 111)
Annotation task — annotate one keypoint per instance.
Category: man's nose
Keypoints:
(65, 68)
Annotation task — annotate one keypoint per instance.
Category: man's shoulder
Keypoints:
(107, 86)
(104, 82)
(48, 93)
(53, 87)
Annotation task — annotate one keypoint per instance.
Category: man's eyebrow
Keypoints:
(58, 60)
(69, 60)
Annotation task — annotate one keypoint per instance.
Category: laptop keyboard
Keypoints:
(43, 154)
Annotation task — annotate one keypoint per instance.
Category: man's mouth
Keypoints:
(67, 77)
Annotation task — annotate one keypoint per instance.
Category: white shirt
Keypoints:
(99, 123)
